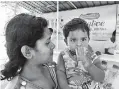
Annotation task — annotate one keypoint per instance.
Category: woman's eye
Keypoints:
(47, 43)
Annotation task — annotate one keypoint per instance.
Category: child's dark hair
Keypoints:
(23, 29)
(74, 24)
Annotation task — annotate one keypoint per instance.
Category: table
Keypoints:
(106, 57)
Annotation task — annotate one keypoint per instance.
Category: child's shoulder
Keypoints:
(62, 53)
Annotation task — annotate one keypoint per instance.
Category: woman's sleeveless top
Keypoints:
(26, 84)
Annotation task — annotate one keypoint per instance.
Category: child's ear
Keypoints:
(26, 51)
(65, 40)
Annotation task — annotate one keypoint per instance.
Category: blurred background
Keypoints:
(102, 21)
(101, 16)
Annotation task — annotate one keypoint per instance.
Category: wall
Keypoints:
(117, 28)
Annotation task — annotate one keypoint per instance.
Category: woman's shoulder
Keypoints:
(19, 83)
(13, 84)
(3, 83)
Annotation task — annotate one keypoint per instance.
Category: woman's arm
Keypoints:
(62, 80)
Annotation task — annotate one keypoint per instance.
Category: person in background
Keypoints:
(30, 51)
(78, 66)
(110, 45)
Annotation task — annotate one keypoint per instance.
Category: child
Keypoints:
(77, 64)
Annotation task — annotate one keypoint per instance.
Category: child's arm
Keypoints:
(98, 63)
(94, 70)
(61, 73)
(96, 73)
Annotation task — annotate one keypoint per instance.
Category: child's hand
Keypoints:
(83, 55)
(80, 53)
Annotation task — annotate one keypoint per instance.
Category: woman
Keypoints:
(30, 52)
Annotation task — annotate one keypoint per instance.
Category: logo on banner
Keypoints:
(90, 16)
(98, 29)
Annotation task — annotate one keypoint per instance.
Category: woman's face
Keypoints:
(43, 51)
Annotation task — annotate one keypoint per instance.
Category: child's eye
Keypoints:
(83, 39)
(73, 40)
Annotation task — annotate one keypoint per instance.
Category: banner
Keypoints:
(102, 20)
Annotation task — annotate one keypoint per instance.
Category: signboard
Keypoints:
(101, 20)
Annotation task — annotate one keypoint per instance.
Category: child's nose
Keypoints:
(52, 46)
(79, 43)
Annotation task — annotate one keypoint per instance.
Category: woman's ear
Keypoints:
(65, 40)
(88, 37)
(26, 51)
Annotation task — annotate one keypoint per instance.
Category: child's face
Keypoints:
(77, 38)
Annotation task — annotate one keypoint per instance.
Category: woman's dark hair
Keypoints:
(51, 30)
(75, 24)
(23, 29)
